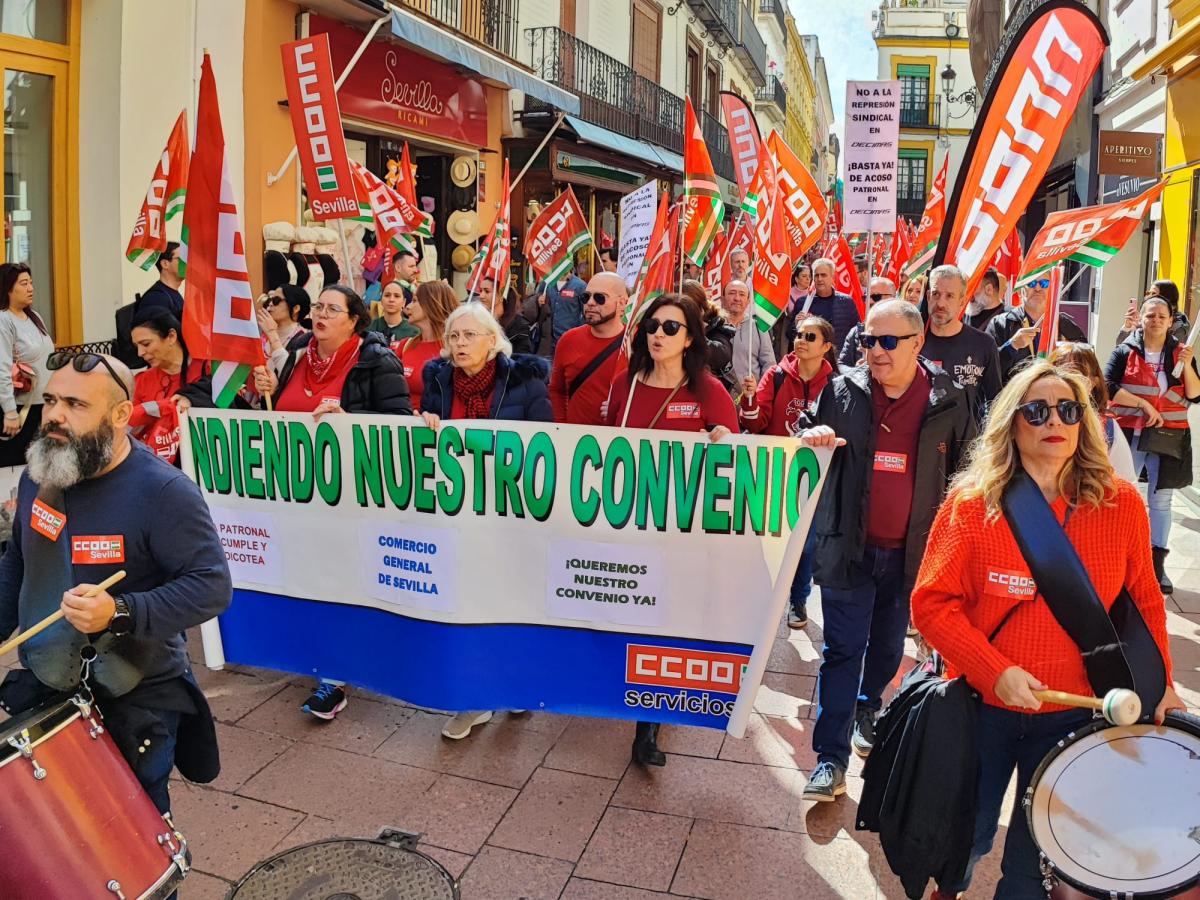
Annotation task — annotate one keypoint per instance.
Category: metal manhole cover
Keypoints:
(347, 869)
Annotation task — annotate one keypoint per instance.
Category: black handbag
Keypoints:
(1118, 649)
(1170, 442)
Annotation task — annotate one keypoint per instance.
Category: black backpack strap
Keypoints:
(1065, 585)
(591, 367)
(777, 381)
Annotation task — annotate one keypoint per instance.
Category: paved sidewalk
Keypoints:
(548, 806)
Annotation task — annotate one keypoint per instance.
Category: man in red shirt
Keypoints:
(586, 358)
(900, 427)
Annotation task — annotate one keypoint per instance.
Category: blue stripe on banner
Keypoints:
(494, 666)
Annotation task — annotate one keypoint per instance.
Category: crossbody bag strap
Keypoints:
(597, 361)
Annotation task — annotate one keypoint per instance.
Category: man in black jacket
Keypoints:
(164, 294)
(900, 425)
(1017, 331)
(836, 309)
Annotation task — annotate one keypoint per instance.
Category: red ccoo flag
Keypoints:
(845, 275)
(772, 263)
(164, 199)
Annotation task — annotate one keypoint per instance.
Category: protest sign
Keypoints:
(497, 565)
(638, 209)
(872, 147)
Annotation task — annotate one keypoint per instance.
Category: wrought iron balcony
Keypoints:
(719, 151)
(720, 18)
(916, 115)
(777, 8)
(773, 92)
(611, 94)
(492, 23)
(751, 47)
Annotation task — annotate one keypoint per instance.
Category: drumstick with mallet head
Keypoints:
(57, 614)
(1119, 706)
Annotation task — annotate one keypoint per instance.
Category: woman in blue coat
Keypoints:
(479, 377)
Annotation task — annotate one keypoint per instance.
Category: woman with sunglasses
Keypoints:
(340, 367)
(431, 306)
(281, 318)
(25, 345)
(668, 387)
(782, 403)
(1151, 406)
(1042, 425)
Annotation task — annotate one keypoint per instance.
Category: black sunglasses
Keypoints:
(597, 297)
(1037, 412)
(84, 362)
(670, 327)
(875, 298)
(886, 341)
(272, 300)
(811, 336)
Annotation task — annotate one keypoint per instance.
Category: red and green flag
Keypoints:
(164, 199)
(406, 186)
(803, 205)
(772, 262)
(492, 259)
(925, 245)
(657, 276)
(703, 209)
(899, 254)
(1048, 337)
(845, 275)
(554, 237)
(219, 323)
(397, 221)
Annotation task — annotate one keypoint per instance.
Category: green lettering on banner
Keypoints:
(716, 487)
(252, 458)
(451, 490)
(423, 440)
(275, 465)
(541, 467)
(398, 480)
(218, 451)
(201, 461)
(618, 508)
(235, 456)
(587, 452)
(778, 473)
(367, 474)
(328, 451)
(687, 481)
(510, 453)
(750, 488)
(480, 443)
(300, 459)
(653, 482)
(804, 463)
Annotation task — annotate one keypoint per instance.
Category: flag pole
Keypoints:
(349, 274)
(682, 252)
(549, 134)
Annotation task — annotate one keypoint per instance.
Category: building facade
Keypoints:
(923, 44)
(771, 100)
(802, 98)
(823, 118)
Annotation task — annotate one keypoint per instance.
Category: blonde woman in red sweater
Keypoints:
(1042, 423)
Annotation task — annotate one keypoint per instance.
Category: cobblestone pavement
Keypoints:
(548, 806)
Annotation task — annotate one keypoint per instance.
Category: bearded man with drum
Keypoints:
(92, 502)
(1042, 458)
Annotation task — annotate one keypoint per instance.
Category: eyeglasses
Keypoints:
(888, 342)
(85, 362)
(597, 297)
(321, 310)
(1042, 283)
(670, 327)
(811, 336)
(875, 298)
(463, 337)
(1037, 412)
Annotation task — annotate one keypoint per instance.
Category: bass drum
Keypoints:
(1115, 812)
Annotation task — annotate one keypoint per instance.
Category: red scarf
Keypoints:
(319, 373)
(475, 391)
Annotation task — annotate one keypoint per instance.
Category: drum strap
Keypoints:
(1118, 649)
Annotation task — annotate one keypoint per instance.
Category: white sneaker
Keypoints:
(460, 726)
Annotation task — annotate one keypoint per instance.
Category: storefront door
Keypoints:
(33, 146)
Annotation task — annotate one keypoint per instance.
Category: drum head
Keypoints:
(1117, 810)
(347, 868)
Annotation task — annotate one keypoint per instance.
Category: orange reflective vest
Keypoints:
(1142, 381)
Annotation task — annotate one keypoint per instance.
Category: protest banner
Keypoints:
(606, 572)
(872, 147)
(638, 209)
(317, 126)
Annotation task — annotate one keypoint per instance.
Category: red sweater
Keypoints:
(413, 355)
(572, 353)
(778, 412)
(153, 386)
(701, 409)
(973, 573)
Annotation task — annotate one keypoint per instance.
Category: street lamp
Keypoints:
(969, 96)
(948, 76)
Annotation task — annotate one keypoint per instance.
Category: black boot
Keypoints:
(1160, 572)
(645, 745)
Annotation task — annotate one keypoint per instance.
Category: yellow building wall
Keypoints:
(1182, 150)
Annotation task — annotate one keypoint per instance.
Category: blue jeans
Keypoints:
(1159, 501)
(864, 644)
(802, 580)
(1008, 740)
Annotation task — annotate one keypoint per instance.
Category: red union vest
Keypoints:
(1142, 381)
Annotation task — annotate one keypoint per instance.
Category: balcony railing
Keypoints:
(773, 92)
(719, 151)
(910, 207)
(928, 115)
(611, 94)
(776, 7)
(720, 18)
(492, 23)
(751, 47)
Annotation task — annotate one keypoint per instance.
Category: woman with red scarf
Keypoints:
(339, 368)
(479, 377)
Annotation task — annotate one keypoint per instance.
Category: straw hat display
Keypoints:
(463, 226)
(463, 171)
(461, 257)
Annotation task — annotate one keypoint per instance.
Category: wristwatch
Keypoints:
(122, 620)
